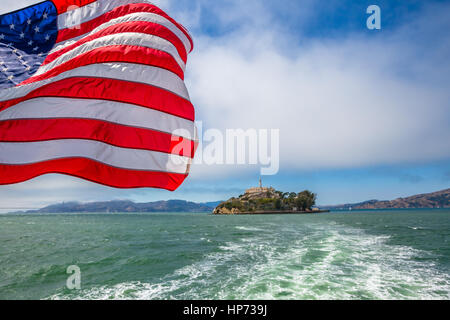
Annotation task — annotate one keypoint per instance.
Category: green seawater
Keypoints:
(402, 254)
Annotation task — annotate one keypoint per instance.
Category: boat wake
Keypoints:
(319, 262)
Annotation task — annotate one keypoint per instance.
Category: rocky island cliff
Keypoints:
(262, 200)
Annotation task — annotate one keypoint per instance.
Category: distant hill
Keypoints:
(348, 206)
(439, 199)
(127, 206)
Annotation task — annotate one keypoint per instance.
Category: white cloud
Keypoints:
(356, 101)
(335, 106)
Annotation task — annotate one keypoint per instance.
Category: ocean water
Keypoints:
(403, 254)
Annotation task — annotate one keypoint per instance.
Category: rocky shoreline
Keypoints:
(273, 212)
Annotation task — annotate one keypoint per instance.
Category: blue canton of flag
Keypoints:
(26, 37)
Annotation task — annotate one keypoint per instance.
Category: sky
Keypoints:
(363, 114)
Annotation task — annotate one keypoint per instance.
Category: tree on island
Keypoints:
(305, 200)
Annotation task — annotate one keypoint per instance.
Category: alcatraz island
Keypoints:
(262, 200)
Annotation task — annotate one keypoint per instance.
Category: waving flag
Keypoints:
(95, 89)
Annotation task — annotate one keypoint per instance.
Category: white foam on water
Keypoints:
(354, 265)
(323, 262)
(248, 228)
(192, 281)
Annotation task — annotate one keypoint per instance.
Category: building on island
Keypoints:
(259, 190)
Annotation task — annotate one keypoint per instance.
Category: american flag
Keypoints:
(95, 89)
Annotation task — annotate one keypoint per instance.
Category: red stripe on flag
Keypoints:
(93, 171)
(90, 25)
(116, 53)
(63, 5)
(31, 130)
(131, 26)
(115, 90)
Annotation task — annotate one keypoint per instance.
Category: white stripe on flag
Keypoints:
(133, 159)
(90, 11)
(110, 111)
(133, 17)
(125, 38)
(150, 75)
(94, 10)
